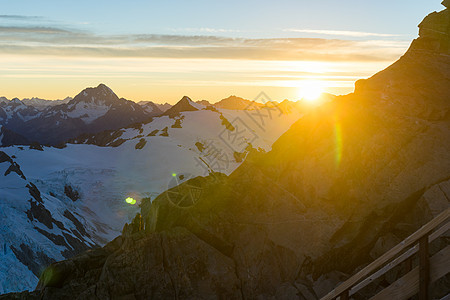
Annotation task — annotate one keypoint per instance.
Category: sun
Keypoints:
(310, 90)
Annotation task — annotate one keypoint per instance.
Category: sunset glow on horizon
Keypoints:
(162, 58)
(311, 90)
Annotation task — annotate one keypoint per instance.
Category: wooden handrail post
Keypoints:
(345, 295)
(424, 267)
(407, 266)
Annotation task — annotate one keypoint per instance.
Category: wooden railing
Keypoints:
(416, 280)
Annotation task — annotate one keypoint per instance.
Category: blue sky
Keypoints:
(240, 18)
(168, 48)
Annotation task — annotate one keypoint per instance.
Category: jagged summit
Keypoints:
(98, 95)
(16, 101)
(434, 32)
(185, 104)
(185, 99)
(425, 61)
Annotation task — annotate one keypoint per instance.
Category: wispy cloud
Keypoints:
(203, 30)
(31, 29)
(60, 41)
(19, 17)
(341, 33)
(246, 53)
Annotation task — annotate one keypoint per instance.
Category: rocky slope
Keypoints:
(343, 185)
(9, 138)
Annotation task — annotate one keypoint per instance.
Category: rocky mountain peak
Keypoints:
(185, 99)
(16, 101)
(434, 32)
(98, 95)
(185, 104)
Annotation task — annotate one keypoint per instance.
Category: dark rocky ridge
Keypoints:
(9, 138)
(369, 167)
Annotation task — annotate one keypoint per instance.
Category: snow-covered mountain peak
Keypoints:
(99, 95)
(16, 101)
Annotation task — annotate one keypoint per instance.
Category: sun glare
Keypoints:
(310, 90)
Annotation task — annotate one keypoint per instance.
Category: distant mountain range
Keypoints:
(53, 122)
(92, 110)
(42, 104)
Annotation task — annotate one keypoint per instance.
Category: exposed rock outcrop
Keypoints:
(434, 32)
(185, 104)
(72, 193)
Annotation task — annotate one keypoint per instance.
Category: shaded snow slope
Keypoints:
(36, 228)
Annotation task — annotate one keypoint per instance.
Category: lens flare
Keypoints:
(130, 200)
(338, 142)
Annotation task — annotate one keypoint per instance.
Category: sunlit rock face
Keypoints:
(345, 183)
(434, 32)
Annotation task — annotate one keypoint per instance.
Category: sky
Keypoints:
(163, 50)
